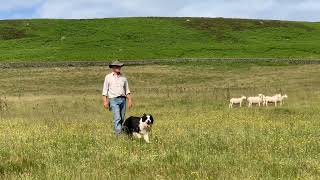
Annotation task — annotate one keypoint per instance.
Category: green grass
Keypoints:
(52, 124)
(156, 38)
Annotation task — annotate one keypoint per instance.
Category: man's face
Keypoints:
(116, 69)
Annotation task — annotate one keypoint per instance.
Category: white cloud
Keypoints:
(265, 9)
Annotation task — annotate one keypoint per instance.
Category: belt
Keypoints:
(121, 97)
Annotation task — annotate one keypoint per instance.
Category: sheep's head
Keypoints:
(243, 97)
(260, 95)
(285, 96)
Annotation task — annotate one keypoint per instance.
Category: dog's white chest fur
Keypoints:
(144, 131)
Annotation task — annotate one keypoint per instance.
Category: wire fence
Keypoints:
(5, 64)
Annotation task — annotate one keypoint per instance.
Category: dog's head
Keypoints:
(147, 120)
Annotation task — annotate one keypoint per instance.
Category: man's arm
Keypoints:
(105, 102)
(105, 93)
(129, 100)
(128, 94)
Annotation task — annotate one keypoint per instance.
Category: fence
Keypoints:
(155, 61)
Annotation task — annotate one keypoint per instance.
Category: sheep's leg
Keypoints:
(240, 104)
(230, 105)
(275, 104)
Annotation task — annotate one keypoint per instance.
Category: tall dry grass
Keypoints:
(54, 125)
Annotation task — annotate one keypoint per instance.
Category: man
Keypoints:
(114, 94)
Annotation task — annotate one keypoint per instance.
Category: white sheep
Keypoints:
(255, 100)
(236, 101)
(271, 99)
(281, 99)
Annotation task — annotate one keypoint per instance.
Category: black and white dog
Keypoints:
(138, 126)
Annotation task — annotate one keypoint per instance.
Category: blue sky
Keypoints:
(299, 10)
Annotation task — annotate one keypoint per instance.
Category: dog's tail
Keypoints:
(125, 127)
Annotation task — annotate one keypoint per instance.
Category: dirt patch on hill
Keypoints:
(218, 27)
(8, 33)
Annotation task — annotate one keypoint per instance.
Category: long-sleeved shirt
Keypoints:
(115, 85)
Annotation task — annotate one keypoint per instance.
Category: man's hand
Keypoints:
(130, 104)
(129, 101)
(105, 102)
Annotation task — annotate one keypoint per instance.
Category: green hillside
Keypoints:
(156, 38)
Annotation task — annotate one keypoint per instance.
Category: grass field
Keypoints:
(156, 38)
(52, 124)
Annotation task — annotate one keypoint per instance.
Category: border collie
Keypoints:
(138, 126)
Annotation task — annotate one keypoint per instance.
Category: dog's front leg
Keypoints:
(146, 137)
(137, 135)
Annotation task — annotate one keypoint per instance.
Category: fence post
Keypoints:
(228, 92)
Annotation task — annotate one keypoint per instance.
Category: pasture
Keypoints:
(53, 125)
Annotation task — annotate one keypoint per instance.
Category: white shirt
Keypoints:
(115, 85)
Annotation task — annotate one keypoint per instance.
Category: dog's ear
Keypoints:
(151, 118)
(144, 115)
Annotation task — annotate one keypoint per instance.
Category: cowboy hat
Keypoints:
(116, 63)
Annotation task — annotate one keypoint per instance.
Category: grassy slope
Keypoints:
(55, 126)
(156, 38)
